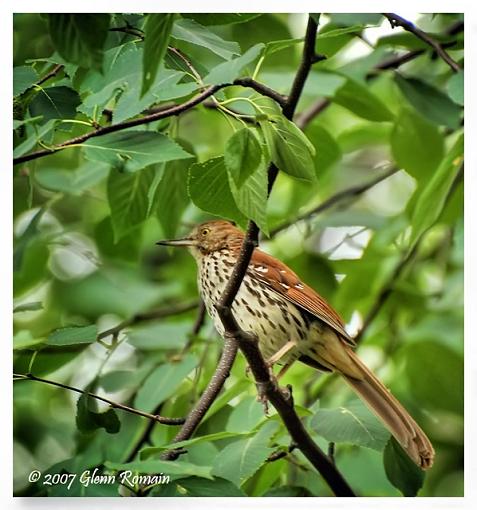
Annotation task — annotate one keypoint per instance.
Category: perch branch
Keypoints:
(157, 418)
(267, 385)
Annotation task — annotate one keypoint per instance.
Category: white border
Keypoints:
(402, 7)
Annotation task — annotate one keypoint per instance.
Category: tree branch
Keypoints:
(247, 342)
(398, 21)
(159, 419)
(147, 119)
(216, 383)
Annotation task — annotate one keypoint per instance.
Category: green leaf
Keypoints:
(329, 46)
(417, 145)
(23, 78)
(431, 201)
(163, 382)
(216, 436)
(73, 335)
(289, 148)
(455, 87)
(122, 81)
(251, 197)
(336, 32)
(178, 467)
(274, 46)
(227, 72)
(28, 307)
(88, 420)
(209, 189)
(133, 150)
(430, 102)
(228, 18)
(32, 140)
(171, 198)
(160, 335)
(218, 487)
(128, 199)
(364, 18)
(357, 98)
(25, 340)
(245, 416)
(401, 470)
(74, 182)
(239, 460)
(157, 31)
(79, 38)
(243, 155)
(192, 32)
(327, 151)
(362, 135)
(28, 235)
(436, 375)
(55, 103)
(353, 423)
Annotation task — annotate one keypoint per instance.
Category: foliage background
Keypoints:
(85, 227)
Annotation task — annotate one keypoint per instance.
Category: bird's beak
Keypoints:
(186, 241)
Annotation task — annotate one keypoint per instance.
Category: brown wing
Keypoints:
(284, 281)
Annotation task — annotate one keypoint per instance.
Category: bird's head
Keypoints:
(209, 237)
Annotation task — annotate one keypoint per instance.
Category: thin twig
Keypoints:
(398, 21)
(147, 119)
(157, 418)
(56, 69)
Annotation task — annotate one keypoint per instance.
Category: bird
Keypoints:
(293, 322)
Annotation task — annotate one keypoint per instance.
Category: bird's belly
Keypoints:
(262, 311)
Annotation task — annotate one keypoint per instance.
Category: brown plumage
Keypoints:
(292, 322)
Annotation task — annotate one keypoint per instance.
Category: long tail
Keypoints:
(386, 407)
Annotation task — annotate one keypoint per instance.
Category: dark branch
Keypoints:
(147, 119)
(56, 69)
(207, 398)
(266, 384)
(342, 196)
(398, 21)
(159, 419)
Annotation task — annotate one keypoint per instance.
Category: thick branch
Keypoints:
(147, 119)
(247, 343)
(160, 419)
(398, 21)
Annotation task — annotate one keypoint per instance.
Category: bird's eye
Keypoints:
(204, 232)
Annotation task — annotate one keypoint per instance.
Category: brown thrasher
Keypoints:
(293, 322)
